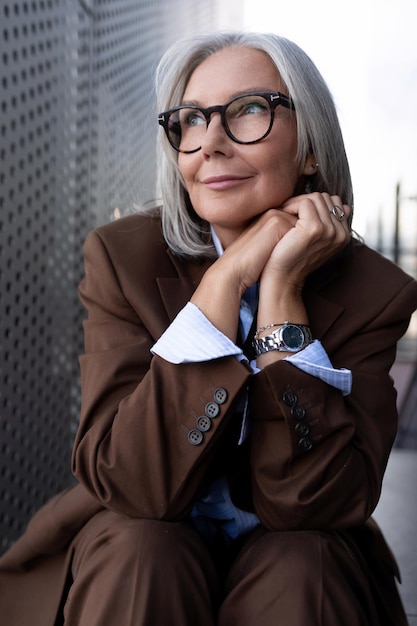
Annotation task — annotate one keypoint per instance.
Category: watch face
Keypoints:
(292, 336)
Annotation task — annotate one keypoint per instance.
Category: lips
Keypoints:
(224, 181)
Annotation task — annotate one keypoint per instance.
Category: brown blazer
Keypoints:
(132, 453)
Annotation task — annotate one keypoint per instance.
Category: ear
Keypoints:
(310, 165)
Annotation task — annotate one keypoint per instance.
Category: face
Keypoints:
(229, 183)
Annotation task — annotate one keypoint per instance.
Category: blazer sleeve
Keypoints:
(136, 448)
(318, 458)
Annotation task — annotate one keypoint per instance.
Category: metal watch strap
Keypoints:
(273, 342)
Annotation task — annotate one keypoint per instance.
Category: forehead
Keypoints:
(231, 71)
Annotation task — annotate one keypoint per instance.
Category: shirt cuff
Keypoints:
(315, 361)
(192, 338)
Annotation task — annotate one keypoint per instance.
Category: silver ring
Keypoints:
(338, 213)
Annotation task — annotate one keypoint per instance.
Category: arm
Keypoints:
(132, 449)
(336, 483)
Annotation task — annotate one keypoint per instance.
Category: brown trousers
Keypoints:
(130, 572)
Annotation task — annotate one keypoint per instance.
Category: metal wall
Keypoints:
(77, 129)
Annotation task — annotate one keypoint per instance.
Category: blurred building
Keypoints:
(398, 243)
(77, 131)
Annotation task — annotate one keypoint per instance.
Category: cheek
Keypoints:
(185, 166)
(286, 142)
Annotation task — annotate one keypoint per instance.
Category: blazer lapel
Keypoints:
(177, 291)
(322, 309)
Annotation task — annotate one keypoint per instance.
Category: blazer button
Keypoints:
(220, 395)
(298, 412)
(305, 444)
(302, 429)
(212, 409)
(203, 423)
(195, 437)
(290, 398)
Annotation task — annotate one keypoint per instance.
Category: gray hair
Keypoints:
(318, 128)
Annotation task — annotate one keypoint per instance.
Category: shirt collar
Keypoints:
(216, 241)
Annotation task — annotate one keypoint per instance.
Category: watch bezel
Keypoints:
(285, 340)
(275, 341)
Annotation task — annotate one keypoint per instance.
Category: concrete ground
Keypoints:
(396, 514)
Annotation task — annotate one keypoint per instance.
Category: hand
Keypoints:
(247, 256)
(219, 293)
(316, 236)
(280, 247)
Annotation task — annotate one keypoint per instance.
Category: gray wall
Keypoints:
(77, 129)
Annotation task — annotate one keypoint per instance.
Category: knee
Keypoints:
(153, 540)
(298, 551)
(117, 533)
(123, 567)
(292, 556)
(314, 553)
(121, 532)
(110, 537)
(297, 577)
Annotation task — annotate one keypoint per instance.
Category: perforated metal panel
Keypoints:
(77, 128)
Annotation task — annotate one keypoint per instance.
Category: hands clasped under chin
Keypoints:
(291, 241)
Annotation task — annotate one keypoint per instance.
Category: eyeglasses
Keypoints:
(246, 119)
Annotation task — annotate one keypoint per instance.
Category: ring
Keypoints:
(338, 213)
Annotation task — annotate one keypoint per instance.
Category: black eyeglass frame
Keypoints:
(273, 98)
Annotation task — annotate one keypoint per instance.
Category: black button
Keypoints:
(212, 409)
(302, 429)
(220, 395)
(305, 444)
(290, 398)
(298, 412)
(195, 437)
(203, 423)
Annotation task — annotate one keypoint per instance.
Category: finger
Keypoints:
(336, 201)
(312, 211)
(339, 213)
(308, 205)
(320, 202)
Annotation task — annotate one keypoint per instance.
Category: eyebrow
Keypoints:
(235, 94)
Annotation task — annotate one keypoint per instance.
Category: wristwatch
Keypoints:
(287, 338)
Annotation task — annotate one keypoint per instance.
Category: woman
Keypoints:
(237, 410)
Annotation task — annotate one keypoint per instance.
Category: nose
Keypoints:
(215, 138)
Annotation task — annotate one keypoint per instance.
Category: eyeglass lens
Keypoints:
(246, 119)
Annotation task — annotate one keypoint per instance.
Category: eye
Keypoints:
(253, 107)
(192, 117)
(246, 106)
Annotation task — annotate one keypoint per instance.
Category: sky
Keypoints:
(367, 52)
